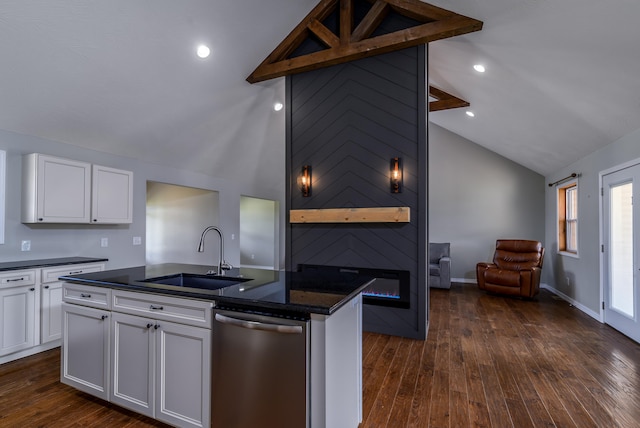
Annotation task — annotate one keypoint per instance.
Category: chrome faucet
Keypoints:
(222, 264)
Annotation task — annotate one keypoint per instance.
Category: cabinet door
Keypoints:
(17, 318)
(63, 190)
(52, 292)
(112, 195)
(132, 362)
(51, 328)
(183, 375)
(85, 349)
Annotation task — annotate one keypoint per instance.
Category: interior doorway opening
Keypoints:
(176, 217)
(259, 232)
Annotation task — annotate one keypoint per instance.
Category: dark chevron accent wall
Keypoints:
(347, 121)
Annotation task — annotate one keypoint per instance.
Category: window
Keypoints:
(568, 218)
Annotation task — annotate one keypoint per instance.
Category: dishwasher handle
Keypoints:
(279, 328)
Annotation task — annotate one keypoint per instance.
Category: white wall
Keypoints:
(258, 232)
(584, 272)
(176, 218)
(476, 197)
(84, 240)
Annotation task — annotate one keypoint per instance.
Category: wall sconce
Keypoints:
(305, 181)
(395, 175)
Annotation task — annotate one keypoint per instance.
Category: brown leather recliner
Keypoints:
(516, 268)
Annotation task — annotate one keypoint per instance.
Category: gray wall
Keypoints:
(84, 240)
(476, 197)
(584, 272)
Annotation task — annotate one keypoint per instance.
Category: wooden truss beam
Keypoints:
(444, 100)
(352, 44)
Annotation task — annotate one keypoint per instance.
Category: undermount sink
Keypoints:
(208, 282)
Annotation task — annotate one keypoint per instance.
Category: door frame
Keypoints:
(602, 226)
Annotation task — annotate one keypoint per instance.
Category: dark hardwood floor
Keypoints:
(488, 362)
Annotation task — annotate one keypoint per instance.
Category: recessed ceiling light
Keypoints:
(470, 113)
(278, 106)
(203, 51)
(479, 68)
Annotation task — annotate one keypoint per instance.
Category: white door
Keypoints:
(64, 190)
(183, 382)
(85, 349)
(132, 362)
(112, 195)
(51, 321)
(17, 318)
(621, 226)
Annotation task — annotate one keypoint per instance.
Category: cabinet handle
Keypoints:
(32, 289)
(156, 308)
(85, 296)
(157, 326)
(149, 325)
(95, 219)
(40, 219)
(104, 317)
(46, 287)
(75, 272)
(15, 279)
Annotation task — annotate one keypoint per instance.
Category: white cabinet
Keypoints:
(132, 362)
(58, 190)
(158, 356)
(51, 315)
(161, 369)
(111, 196)
(86, 327)
(85, 349)
(18, 298)
(55, 190)
(51, 294)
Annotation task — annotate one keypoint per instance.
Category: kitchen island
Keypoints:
(192, 349)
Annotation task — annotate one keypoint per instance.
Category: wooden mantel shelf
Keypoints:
(352, 215)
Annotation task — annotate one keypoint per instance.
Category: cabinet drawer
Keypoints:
(87, 295)
(184, 311)
(17, 278)
(53, 273)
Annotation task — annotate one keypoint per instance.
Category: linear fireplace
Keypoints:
(391, 287)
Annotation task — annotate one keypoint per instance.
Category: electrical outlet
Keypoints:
(137, 240)
(26, 246)
(104, 242)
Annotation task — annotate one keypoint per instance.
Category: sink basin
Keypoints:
(208, 282)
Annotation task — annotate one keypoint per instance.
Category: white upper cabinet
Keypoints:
(57, 190)
(112, 195)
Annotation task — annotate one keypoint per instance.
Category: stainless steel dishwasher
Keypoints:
(259, 371)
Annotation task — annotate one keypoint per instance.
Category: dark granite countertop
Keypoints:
(30, 264)
(261, 290)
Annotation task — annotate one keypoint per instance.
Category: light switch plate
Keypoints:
(26, 246)
(137, 240)
(104, 242)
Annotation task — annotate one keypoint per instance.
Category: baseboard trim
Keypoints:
(572, 302)
(464, 280)
(31, 351)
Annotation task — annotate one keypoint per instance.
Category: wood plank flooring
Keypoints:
(489, 361)
(492, 361)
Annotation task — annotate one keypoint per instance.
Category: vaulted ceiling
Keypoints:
(121, 77)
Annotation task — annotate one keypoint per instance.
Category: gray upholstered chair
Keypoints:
(439, 265)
